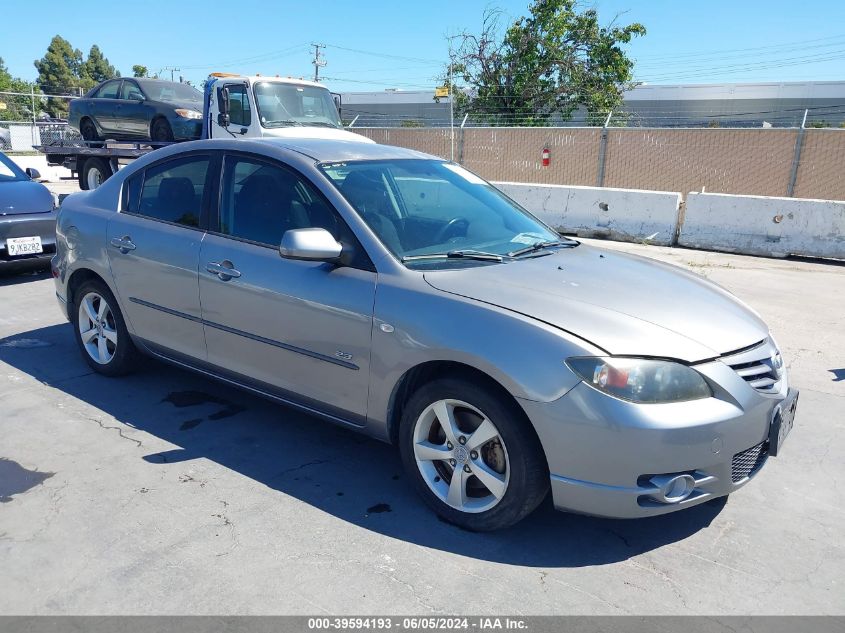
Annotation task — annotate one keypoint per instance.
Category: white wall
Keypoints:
(626, 215)
(762, 225)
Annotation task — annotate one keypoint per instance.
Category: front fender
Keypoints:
(525, 356)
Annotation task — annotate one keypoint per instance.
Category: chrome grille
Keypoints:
(758, 365)
(749, 461)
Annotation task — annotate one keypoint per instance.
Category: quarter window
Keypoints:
(239, 112)
(173, 191)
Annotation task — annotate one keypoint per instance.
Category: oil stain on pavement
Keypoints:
(15, 479)
(183, 399)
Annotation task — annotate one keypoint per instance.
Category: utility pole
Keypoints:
(172, 70)
(318, 61)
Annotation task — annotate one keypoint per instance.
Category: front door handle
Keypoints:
(123, 244)
(225, 270)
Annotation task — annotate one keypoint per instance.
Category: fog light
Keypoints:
(673, 488)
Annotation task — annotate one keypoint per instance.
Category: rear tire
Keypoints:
(491, 447)
(94, 172)
(88, 130)
(160, 131)
(100, 330)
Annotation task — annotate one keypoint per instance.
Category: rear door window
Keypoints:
(108, 90)
(173, 191)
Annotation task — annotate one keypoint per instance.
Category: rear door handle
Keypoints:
(225, 270)
(123, 244)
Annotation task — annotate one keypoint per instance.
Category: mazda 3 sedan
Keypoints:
(400, 295)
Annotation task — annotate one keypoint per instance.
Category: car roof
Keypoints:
(321, 150)
(330, 150)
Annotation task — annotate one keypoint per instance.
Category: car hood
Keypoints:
(624, 304)
(24, 196)
(196, 106)
(315, 132)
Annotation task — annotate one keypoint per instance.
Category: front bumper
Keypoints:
(26, 225)
(602, 452)
(186, 129)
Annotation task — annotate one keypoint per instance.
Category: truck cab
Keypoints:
(239, 106)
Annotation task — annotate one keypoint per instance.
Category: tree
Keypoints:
(17, 107)
(96, 68)
(59, 72)
(140, 71)
(549, 63)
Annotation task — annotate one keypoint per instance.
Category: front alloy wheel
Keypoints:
(461, 456)
(471, 453)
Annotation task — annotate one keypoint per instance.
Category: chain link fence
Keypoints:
(23, 122)
(805, 163)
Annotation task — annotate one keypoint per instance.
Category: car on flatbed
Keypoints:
(402, 296)
(132, 108)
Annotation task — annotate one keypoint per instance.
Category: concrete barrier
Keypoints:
(625, 215)
(762, 225)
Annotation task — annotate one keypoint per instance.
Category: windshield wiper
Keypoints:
(464, 254)
(321, 124)
(286, 123)
(539, 246)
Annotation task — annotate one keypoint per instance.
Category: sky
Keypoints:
(378, 45)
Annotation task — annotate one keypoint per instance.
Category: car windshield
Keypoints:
(9, 172)
(436, 214)
(171, 91)
(283, 104)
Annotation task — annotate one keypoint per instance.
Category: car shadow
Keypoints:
(336, 470)
(24, 273)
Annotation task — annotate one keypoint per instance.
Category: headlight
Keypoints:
(640, 379)
(188, 114)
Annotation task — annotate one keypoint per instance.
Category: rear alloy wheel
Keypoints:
(161, 131)
(94, 172)
(88, 130)
(472, 454)
(101, 331)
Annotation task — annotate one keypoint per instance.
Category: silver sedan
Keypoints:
(401, 295)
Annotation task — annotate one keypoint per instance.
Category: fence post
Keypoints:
(461, 140)
(603, 150)
(35, 141)
(796, 157)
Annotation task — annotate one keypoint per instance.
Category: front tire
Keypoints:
(101, 332)
(472, 455)
(160, 131)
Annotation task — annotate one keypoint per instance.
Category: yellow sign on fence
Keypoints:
(441, 91)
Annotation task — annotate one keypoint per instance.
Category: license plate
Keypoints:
(24, 246)
(782, 422)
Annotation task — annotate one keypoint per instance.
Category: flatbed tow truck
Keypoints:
(236, 106)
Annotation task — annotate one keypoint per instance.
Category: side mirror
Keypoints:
(337, 101)
(312, 244)
(33, 173)
(223, 106)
